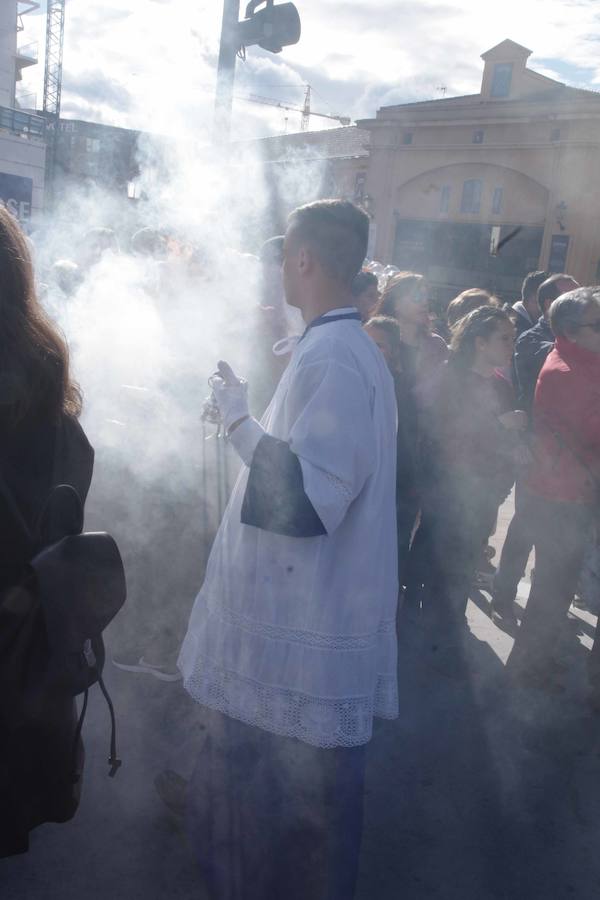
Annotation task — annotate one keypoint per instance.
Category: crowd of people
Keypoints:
(511, 402)
(375, 475)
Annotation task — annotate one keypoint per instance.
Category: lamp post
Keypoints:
(226, 70)
(272, 28)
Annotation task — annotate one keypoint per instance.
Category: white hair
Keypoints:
(567, 311)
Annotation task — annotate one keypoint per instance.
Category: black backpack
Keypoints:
(80, 582)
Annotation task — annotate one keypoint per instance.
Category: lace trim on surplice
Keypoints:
(301, 636)
(322, 722)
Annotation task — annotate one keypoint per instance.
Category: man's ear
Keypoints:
(306, 260)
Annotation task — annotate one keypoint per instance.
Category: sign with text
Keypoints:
(16, 193)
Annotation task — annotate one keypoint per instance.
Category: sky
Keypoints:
(150, 64)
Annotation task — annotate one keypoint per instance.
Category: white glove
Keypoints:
(231, 395)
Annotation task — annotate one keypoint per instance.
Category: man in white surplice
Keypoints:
(292, 640)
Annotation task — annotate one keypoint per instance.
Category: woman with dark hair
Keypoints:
(466, 302)
(405, 299)
(42, 445)
(471, 441)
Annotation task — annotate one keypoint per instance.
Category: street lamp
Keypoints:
(273, 27)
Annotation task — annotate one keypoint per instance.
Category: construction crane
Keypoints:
(53, 65)
(55, 35)
(306, 110)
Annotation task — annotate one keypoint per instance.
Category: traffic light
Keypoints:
(272, 28)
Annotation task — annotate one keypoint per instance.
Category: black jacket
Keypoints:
(37, 725)
(522, 322)
(531, 350)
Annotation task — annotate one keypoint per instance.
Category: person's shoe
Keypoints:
(484, 563)
(172, 790)
(130, 662)
(505, 614)
(579, 603)
(484, 581)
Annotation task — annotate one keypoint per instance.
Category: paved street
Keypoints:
(478, 791)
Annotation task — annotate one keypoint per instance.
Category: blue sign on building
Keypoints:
(16, 193)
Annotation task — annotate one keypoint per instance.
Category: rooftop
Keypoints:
(530, 87)
(347, 142)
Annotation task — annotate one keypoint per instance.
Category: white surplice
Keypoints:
(298, 635)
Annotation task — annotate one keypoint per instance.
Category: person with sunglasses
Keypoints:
(562, 489)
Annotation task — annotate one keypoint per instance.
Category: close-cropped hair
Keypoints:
(34, 360)
(531, 283)
(338, 233)
(362, 282)
(567, 311)
(549, 290)
(467, 301)
(481, 322)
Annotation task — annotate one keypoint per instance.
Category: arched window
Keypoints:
(471, 196)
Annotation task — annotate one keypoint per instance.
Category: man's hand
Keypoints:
(231, 395)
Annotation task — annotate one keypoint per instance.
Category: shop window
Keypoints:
(407, 137)
(471, 196)
(478, 136)
(501, 80)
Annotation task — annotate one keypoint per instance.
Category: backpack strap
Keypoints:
(113, 761)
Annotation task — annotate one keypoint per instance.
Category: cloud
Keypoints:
(151, 64)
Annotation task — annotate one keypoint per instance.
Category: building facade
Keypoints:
(88, 152)
(22, 135)
(472, 191)
(476, 191)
